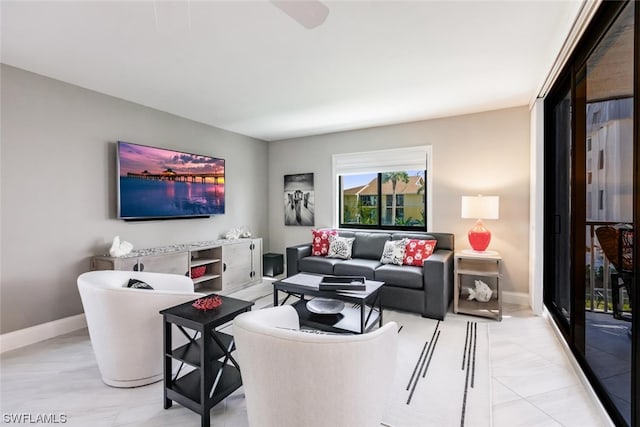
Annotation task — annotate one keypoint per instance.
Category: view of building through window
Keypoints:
(383, 199)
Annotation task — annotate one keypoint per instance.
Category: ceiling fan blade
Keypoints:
(308, 13)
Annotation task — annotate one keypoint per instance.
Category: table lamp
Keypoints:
(480, 207)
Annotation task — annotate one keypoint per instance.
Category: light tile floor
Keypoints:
(534, 384)
(533, 381)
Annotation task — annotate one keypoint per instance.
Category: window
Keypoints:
(389, 214)
(359, 195)
(399, 199)
(601, 199)
(370, 200)
(601, 159)
(382, 190)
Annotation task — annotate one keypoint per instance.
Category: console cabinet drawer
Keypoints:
(177, 263)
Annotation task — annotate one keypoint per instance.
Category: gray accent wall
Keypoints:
(484, 153)
(58, 184)
(58, 188)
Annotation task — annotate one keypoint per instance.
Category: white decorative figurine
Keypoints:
(119, 248)
(482, 292)
(233, 234)
(238, 232)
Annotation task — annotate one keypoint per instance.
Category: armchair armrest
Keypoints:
(294, 254)
(284, 316)
(165, 282)
(438, 283)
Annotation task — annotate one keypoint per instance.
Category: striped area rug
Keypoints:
(443, 373)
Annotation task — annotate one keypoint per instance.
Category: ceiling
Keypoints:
(248, 67)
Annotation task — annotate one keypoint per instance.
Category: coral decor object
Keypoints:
(120, 248)
(208, 303)
(237, 233)
(197, 272)
(233, 234)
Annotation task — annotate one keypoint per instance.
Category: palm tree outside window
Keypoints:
(383, 200)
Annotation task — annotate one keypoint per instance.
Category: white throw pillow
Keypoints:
(393, 252)
(340, 247)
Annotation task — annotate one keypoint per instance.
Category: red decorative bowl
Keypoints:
(208, 303)
(198, 271)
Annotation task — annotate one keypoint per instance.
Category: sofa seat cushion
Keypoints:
(357, 267)
(404, 276)
(318, 264)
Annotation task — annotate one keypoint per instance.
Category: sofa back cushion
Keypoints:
(345, 233)
(445, 240)
(369, 245)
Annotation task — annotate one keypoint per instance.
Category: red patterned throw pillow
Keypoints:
(416, 251)
(320, 242)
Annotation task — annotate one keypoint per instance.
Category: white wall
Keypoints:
(59, 180)
(485, 153)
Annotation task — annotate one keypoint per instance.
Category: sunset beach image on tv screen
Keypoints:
(161, 183)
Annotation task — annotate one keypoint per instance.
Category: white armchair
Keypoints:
(124, 324)
(299, 379)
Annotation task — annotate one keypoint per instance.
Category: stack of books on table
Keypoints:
(342, 283)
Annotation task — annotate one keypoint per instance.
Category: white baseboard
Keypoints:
(20, 338)
(577, 369)
(518, 298)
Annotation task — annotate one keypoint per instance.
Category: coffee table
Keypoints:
(362, 311)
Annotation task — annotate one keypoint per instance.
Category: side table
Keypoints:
(470, 266)
(216, 374)
(272, 264)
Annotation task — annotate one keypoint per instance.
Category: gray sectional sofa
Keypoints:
(426, 290)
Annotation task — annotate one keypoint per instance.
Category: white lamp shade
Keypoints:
(480, 207)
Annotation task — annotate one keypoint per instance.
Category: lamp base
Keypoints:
(479, 237)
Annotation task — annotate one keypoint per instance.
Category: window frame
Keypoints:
(379, 196)
(415, 157)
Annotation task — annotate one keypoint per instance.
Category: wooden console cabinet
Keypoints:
(241, 263)
(229, 265)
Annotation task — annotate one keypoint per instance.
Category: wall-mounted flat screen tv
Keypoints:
(156, 183)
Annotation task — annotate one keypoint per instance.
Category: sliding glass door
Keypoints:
(606, 121)
(591, 199)
(558, 163)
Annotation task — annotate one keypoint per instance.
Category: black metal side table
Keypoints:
(217, 373)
